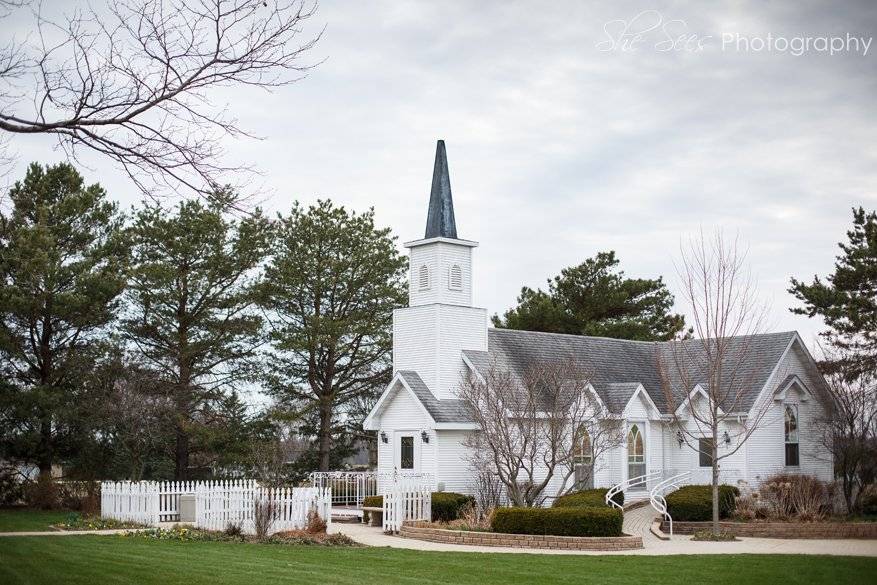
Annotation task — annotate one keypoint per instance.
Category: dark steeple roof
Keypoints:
(440, 219)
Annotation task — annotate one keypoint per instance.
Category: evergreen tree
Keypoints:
(331, 289)
(847, 299)
(192, 308)
(595, 298)
(62, 269)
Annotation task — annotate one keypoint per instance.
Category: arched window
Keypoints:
(636, 453)
(455, 277)
(583, 459)
(791, 435)
(423, 277)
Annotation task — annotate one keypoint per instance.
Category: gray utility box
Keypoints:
(187, 507)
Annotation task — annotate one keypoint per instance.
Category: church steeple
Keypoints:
(440, 218)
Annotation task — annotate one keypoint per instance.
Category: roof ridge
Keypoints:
(638, 341)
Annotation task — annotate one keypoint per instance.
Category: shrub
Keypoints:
(11, 488)
(558, 521)
(263, 517)
(694, 503)
(316, 524)
(595, 498)
(803, 497)
(447, 506)
(42, 494)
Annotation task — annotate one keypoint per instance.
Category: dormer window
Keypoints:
(423, 277)
(455, 277)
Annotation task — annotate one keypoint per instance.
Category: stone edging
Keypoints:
(782, 529)
(466, 537)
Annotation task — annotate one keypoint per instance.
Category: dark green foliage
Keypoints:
(846, 300)
(595, 298)
(694, 503)
(193, 317)
(63, 262)
(587, 499)
(330, 290)
(558, 521)
(446, 506)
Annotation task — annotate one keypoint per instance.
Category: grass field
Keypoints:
(103, 560)
(23, 519)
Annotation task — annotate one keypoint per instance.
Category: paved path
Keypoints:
(635, 520)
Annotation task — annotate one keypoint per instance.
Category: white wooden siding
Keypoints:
(439, 257)
(403, 412)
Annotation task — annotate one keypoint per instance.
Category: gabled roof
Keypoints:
(618, 366)
(441, 411)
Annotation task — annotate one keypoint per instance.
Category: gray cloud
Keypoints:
(558, 150)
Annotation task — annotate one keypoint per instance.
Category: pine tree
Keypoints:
(847, 299)
(595, 298)
(192, 314)
(331, 289)
(62, 268)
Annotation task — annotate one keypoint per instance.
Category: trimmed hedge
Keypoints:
(595, 498)
(558, 521)
(446, 506)
(694, 503)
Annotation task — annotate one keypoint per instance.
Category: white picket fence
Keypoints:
(151, 502)
(130, 501)
(217, 503)
(406, 500)
(219, 508)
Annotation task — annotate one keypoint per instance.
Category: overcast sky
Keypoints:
(563, 142)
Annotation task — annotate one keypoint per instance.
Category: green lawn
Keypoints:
(103, 560)
(24, 519)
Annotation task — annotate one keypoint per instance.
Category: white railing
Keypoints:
(219, 508)
(407, 499)
(656, 495)
(130, 502)
(640, 480)
(350, 488)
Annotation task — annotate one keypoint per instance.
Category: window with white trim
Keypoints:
(455, 277)
(790, 426)
(705, 452)
(423, 277)
(583, 459)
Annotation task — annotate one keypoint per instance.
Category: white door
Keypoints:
(407, 452)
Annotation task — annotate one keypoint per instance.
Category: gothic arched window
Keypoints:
(791, 435)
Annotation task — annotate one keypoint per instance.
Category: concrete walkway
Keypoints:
(635, 522)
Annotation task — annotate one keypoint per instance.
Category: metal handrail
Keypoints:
(656, 495)
(627, 484)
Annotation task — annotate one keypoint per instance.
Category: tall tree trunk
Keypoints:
(715, 462)
(45, 456)
(325, 435)
(181, 454)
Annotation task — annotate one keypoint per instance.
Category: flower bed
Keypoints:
(781, 529)
(420, 531)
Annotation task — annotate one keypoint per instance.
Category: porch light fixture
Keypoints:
(727, 438)
(383, 437)
(424, 436)
(680, 438)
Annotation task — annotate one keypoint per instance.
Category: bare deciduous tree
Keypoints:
(528, 424)
(710, 374)
(848, 428)
(136, 82)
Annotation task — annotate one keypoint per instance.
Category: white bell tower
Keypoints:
(440, 321)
